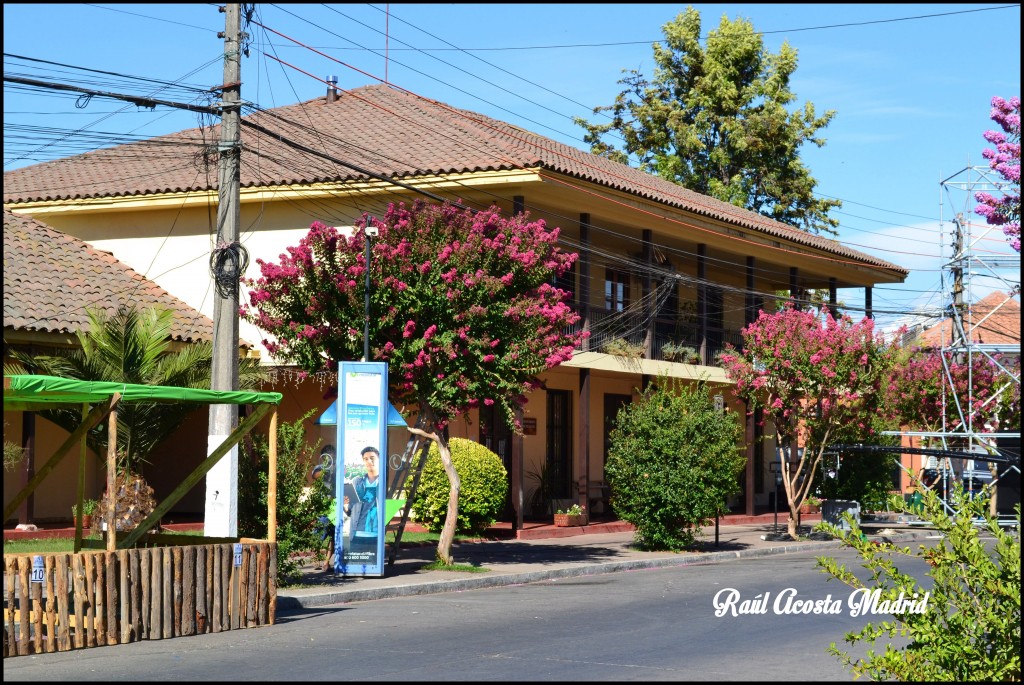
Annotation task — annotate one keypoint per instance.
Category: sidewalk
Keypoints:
(518, 561)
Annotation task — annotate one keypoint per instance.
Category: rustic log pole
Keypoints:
(145, 581)
(177, 561)
(78, 574)
(211, 565)
(168, 592)
(201, 610)
(35, 592)
(51, 603)
(61, 594)
(24, 631)
(188, 590)
(261, 601)
(226, 563)
(125, 583)
(155, 587)
(216, 585)
(110, 561)
(243, 590)
(272, 584)
(90, 600)
(252, 559)
(11, 583)
(100, 590)
(138, 584)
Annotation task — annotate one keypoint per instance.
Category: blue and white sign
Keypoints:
(361, 474)
(38, 573)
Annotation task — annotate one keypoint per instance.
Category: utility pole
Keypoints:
(221, 515)
(957, 313)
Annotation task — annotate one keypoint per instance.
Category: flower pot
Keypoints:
(86, 521)
(564, 520)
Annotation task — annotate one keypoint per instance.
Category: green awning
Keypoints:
(35, 393)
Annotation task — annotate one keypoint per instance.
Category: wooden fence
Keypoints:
(59, 602)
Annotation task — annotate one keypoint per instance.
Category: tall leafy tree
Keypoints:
(132, 346)
(717, 119)
(1004, 210)
(818, 379)
(462, 309)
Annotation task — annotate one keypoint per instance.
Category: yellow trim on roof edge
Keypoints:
(268, 193)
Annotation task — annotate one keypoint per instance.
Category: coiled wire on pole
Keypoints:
(228, 263)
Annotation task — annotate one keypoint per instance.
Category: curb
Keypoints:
(295, 602)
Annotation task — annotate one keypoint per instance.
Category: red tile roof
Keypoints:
(996, 319)
(378, 132)
(51, 278)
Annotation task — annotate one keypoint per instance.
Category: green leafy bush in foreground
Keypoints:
(970, 629)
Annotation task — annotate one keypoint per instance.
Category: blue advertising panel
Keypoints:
(360, 478)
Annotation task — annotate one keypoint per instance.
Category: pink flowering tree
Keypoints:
(934, 390)
(462, 310)
(1005, 158)
(817, 379)
(931, 390)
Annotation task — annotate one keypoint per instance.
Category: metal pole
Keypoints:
(366, 308)
(778, 479)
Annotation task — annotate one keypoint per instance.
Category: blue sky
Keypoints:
(911, 85)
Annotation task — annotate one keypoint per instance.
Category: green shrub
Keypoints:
(970, 629)
(482, 491)
(672, 461)
(298, 503)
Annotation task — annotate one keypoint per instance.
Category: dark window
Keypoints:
(559, 454)
(616, 290)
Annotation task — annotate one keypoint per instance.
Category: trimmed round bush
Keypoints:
(482, 491)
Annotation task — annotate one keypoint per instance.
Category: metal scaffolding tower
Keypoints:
(981, 260)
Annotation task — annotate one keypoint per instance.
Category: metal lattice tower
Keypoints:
(980, 259)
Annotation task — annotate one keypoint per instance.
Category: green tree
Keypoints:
(715, 120)
(672, 462)
(969, 630)
(461, 308)
(131, 346)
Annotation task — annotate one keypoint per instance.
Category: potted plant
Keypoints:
(88, 510)
(571, 516)
(811, 505)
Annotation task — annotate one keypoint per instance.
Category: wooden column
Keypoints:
(583, 436)
(868, 309)
(518, 204)
(748, 488)
(517, 475)
(832, 297)
(583, 301)
(649, 310)
(794, 288)
(702, 302)
(750, 308)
